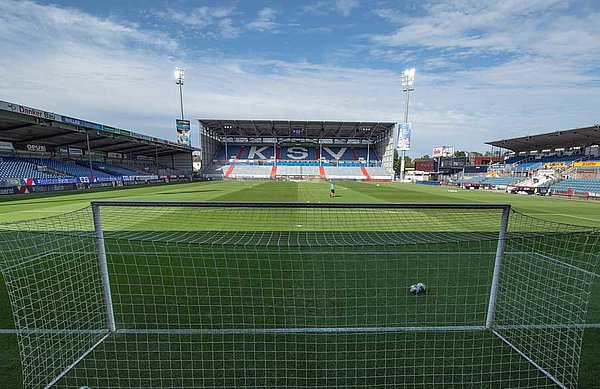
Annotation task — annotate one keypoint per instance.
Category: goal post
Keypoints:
(489, 321)
(237, 294)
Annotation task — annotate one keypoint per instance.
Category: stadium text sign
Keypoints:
(11, 107)
(555, 164)
(594, 163)
(295, 153)
(81, 123)
(32, 147)
(8, 146)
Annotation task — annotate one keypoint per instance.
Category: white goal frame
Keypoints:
(490, 324)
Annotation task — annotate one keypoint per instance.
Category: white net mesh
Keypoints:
(298, 296)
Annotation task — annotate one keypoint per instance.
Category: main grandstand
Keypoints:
(43, 151)
(278, 149)
(562, 162)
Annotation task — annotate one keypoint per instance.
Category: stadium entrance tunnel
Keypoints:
(152, 294)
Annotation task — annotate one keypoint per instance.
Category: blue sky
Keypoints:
(485, 69)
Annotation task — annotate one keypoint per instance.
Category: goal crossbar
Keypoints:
(266, 204)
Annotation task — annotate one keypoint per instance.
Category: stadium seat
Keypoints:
(13, 167)
(578, 185)
(242, 161)
(70, 168)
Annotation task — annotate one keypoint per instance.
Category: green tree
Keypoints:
(408, 162)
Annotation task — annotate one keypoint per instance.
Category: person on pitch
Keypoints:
(332, 189)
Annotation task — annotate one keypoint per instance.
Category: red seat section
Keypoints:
(229, 170)
(365, 173)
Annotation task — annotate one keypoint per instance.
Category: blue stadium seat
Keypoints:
(70, 168)
(578, 185)
(113, 169)
(488, 180)
(14, 167)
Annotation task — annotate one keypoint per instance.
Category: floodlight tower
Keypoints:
(179, 77)
(408, 81)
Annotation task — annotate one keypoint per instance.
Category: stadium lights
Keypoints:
(408, 79)
(408, 82)
(179, 77)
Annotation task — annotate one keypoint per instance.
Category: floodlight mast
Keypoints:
(408, 81)
(179, 78)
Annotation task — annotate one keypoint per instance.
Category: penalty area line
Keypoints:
(565, 215)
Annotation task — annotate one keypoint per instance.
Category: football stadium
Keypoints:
(121, 267)
(294, 230)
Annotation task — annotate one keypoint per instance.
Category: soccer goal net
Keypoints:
(211, 295)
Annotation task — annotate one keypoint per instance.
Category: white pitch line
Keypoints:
(564, 214)
(39, 211)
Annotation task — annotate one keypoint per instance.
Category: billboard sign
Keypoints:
(37, 148)
(81, 123)
(6, 146)
(403, 136)
(555, 164)
(443, 151)
(184, 135)
(592, 163)
(6, 106)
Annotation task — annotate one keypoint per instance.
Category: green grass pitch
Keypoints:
(353, 350)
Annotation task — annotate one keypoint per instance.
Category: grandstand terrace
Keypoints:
(44, 151)
(280, 149)
(563, 162)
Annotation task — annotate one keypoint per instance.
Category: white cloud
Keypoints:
(265, 20)
(345, 7)
(24, 20)
(227, 29)
(342, 7)
(510, 26)
(199, 17)
(124, 79)
(205, 17)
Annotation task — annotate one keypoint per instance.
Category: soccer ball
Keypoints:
(417, 288)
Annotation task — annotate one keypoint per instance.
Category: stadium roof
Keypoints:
(577, 137)
(316, 129)
(23, 125)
